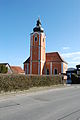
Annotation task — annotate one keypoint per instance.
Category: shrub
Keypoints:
(3, 69)
(24, 82)
(75, 79)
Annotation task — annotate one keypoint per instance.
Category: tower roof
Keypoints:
(38, 27)
(27, 61)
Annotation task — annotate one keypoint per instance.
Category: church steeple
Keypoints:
(38, 22)
(37, 50)
(38, 27)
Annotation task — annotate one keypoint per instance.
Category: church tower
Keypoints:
(37, 50)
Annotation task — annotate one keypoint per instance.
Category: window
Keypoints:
(47, 71)
(35, 38)
(55, 72)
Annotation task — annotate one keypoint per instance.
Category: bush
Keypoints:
(75, 79)
(3, 69)
(24, 82)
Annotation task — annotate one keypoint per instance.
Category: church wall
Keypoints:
(34, 67)
(53, 65)
(56, 65)
(47, 67)
(65, 66)
(27, 68)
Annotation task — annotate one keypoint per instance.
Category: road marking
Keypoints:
(69, 114)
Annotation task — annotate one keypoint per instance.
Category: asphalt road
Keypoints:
(58, 104)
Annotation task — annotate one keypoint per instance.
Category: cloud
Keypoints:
(77, 58)
(72, 58)
(66, 48)
(73, 54)
(73, 64)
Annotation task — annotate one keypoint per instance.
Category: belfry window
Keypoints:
(35, 38)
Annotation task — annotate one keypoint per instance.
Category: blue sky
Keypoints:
(60, 20)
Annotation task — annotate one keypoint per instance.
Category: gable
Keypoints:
(53, 57)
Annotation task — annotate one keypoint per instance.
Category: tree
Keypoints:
(3, 69)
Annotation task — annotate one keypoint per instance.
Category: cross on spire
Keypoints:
(38, 27)
(38, 22)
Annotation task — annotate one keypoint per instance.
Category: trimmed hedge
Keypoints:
(23, 82)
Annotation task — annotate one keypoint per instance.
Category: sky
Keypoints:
(60, 20)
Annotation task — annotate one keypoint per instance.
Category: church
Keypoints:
(40, 62)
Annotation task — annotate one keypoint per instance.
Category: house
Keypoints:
(17, 70)
(40, 62)
(8, 66)
(13, 69)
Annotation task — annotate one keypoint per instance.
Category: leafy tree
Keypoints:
(3, 69)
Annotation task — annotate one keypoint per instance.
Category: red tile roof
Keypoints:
(17, 69)
(54, 57)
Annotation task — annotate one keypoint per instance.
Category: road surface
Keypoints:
(55, 104)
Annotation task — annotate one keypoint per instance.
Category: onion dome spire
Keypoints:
(38, 27)
(38, 22)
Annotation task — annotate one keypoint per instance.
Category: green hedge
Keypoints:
(24, 82)
(3, 69)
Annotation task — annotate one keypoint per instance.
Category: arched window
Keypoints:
(47, 71)
(55, 72)
(35, 38)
